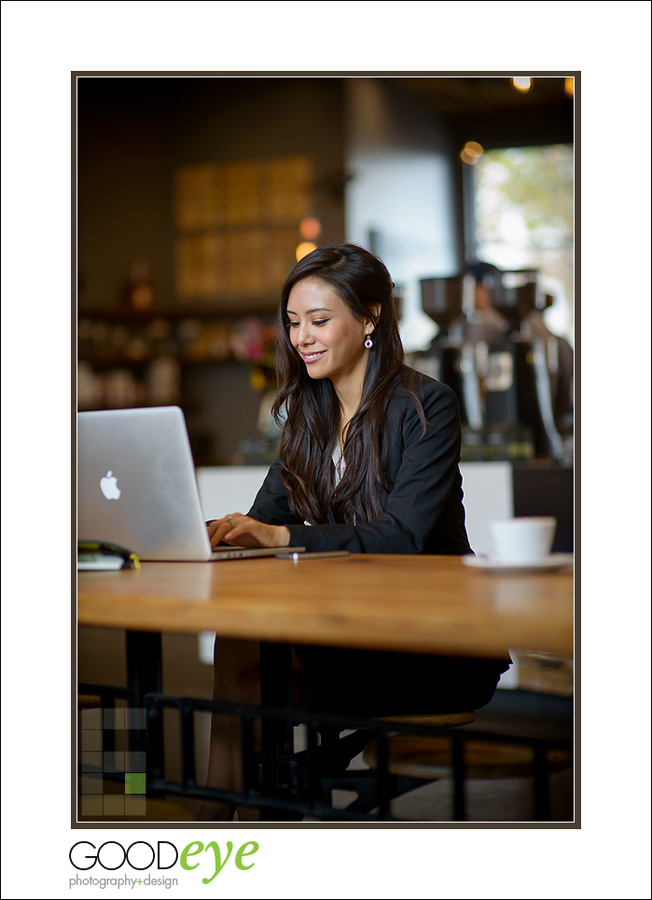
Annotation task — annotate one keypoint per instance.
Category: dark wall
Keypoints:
(124, 204)
(134, 133)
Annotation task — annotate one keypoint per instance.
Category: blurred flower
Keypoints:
(254, 342)
(247, 341)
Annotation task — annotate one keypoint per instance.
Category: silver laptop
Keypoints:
(137, 486)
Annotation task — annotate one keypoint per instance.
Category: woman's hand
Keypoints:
(239, 529)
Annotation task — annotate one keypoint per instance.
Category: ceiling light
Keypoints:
(522, 84)
(304, 249)
(471, 153)
(310, 228)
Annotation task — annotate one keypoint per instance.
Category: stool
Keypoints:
(441, 720)
(368, 787)
(404, 752)
(432, 758)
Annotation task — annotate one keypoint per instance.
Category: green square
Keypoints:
(135, 783)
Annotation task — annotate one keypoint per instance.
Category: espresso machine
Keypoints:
(450, 358)
(500, 375)
(535, 359)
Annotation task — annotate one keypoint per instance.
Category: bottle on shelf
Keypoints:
(141, 295)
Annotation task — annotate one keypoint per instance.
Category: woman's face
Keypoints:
(327, 336)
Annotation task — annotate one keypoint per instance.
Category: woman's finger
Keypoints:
(238, 529)
(218, 528)
(244, 531)
(252, 533)
(212, 527)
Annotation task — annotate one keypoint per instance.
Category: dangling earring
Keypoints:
(368, 342)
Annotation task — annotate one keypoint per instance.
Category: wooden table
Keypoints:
(404, 603)
(411, 603)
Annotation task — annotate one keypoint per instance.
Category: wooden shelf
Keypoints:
(236, 309)
(125, 362)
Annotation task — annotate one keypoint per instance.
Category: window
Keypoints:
(523, 218)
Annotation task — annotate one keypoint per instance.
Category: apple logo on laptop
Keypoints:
(109, 486)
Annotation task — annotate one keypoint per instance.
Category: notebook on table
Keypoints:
(137, 487)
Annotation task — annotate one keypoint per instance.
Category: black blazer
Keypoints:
(423, 511)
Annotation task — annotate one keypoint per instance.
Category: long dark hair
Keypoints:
(309, 411)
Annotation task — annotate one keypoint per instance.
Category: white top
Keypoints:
(339, 463)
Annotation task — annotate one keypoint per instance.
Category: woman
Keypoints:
(368, 462)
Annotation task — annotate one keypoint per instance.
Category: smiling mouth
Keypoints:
(312, 357)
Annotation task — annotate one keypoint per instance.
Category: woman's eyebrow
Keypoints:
(309, 311)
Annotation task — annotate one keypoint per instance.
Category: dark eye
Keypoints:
(319, 322)
(292, 324)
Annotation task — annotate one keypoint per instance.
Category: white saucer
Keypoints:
(491, 564)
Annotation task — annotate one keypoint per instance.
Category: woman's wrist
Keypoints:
(283, 536)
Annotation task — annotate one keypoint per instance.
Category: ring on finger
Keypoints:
(230, 521)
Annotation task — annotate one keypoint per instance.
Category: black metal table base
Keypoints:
(302, 782)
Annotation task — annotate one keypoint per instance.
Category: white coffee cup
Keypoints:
(524, 539)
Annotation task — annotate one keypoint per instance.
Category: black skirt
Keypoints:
(378, 683)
